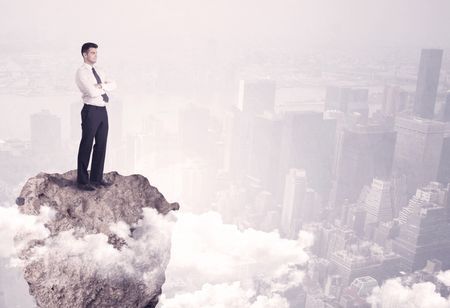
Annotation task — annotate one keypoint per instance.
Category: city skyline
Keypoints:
(307, 143)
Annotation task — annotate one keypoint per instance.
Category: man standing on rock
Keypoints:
(94, 85)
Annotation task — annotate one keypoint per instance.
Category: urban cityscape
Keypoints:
(350, 146)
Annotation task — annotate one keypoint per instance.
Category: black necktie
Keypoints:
(99, 81)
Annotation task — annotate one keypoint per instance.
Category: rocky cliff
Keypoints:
(106, 248)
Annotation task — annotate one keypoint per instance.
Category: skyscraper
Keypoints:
(264, 147)
(367, 260)
(333, 286)
(256, 96)
(75, 121)
(427, 82)
(237, 142)
(417, 150)
(424, 229)
(378, 202)
(45, 133)
(307, 142)
(444, 161)
(356, 218)
(294, 196)
(395, 100)
(362, 152)
(444, 114)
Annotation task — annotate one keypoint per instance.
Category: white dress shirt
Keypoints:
(87, 84)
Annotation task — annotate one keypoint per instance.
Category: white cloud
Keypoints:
(224, 296)
(444, 277)
(208, 255)
(144, 255)
(392, 294)
(211, 264)
(16, 229)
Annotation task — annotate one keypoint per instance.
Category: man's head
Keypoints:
(89, 53)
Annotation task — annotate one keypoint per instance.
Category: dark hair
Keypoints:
(86, 47)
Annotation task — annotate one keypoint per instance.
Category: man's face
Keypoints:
(90, 56)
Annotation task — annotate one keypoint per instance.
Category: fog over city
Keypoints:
(307, 142)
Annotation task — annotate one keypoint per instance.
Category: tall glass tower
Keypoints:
(427, 82)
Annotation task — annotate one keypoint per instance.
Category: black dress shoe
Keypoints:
(87, 187)
(101, 183)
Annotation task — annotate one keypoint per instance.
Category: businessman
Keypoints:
(94, 85)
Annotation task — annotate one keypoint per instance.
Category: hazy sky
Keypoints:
(423, 23)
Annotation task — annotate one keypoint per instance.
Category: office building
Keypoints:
(256, 96)
(264, 147)
(347, 100)
(293, 201)
(418, 150)
(362, 153)
(45, 133)
(307, 143)
(378, 202)
(424, 231)
(427, 82)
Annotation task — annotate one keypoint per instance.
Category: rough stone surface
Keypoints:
(64, 270)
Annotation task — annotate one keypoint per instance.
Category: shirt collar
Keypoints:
(88, 66)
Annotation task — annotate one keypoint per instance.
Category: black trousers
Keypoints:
(94, 125)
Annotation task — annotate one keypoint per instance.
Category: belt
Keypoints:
(93, 106)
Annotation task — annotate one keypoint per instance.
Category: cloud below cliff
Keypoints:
(217, 265)
(225, 295)
(211, 263)
(143, 257)
(13, 225)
